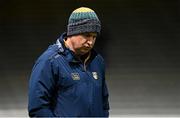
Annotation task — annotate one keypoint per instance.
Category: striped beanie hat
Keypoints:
(83, 20)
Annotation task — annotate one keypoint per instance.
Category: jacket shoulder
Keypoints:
(100, 58)
(50, 54)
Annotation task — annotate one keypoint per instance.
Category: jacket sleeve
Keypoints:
(105, 94)
(105, 100)
(41, 90)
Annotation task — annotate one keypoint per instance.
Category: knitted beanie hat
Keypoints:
(83, 20)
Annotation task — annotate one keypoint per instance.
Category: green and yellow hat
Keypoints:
(83, 20)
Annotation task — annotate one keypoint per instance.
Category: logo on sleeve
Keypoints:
(75, 76)
(95, 75)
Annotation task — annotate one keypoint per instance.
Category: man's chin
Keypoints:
(84, 52)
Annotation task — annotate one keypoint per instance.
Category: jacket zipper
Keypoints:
(84, 64)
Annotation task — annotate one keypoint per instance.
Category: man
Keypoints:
(68, 79)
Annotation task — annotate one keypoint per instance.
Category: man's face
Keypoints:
(83, 43)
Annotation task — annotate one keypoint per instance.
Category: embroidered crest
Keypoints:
(75, 76)
(95, 75)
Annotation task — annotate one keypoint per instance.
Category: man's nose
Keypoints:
(90, 42)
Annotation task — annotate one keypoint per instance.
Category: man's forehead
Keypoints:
(93, 33)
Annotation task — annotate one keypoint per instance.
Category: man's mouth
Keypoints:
(87, 48)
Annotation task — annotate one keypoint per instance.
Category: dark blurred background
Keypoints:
(139, 41)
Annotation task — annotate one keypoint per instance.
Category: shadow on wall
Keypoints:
(102, 43)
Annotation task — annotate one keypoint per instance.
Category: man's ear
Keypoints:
(68, 37)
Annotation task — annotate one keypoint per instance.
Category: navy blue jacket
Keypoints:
(60, 84)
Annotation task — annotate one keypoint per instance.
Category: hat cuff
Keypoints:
(79, 29)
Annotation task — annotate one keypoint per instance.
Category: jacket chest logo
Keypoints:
(95, 75)
(75, 76)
